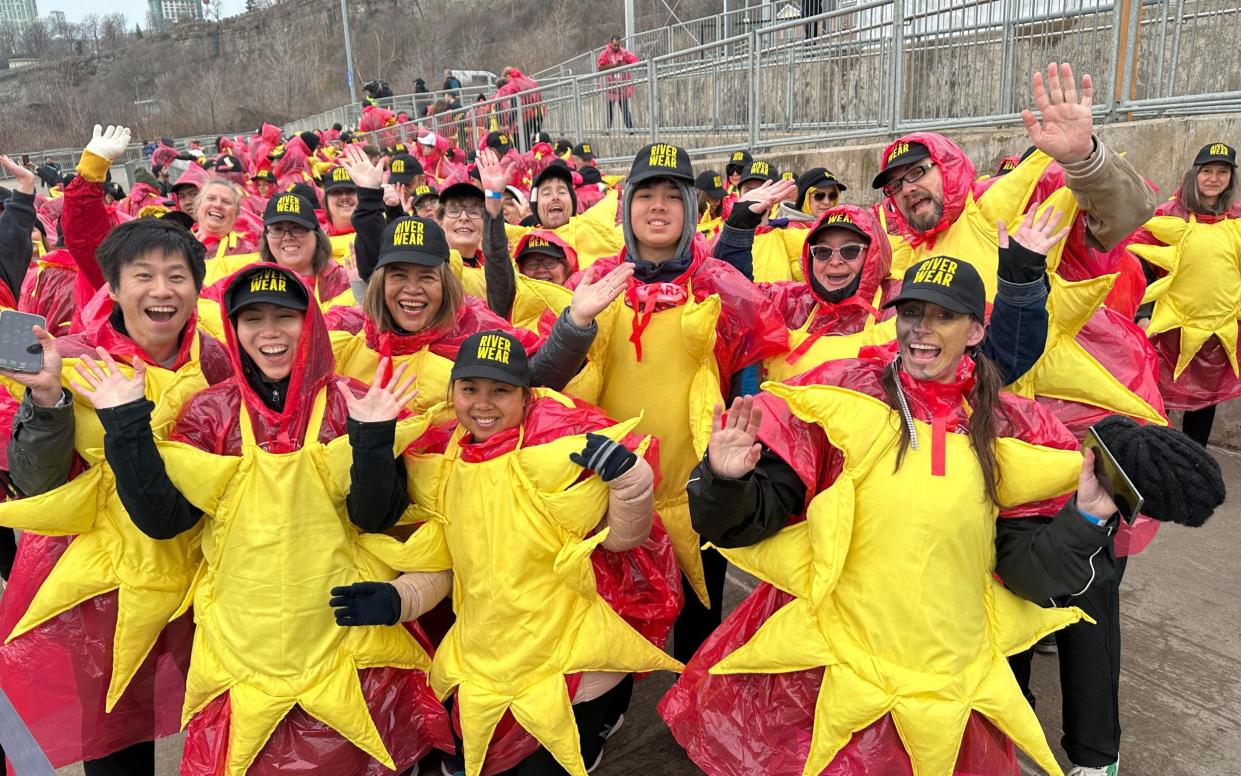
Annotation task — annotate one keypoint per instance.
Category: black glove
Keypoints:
(1019, 264)
(366, 603)
(604, 457)
(741, 217)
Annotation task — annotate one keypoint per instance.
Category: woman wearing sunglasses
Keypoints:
(817, 192)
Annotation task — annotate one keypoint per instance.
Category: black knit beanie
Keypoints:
(1179, 479)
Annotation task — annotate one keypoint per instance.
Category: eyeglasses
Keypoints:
(469, 212)
(821, 195)
(846, 252)
(915, 173)
(287, 231)
(539, 262)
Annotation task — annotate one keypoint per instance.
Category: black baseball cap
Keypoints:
(900, 153)
(403, 168)
(661, 160)
(413, 240)
(304, 190)
(563, 146)
(396, 149)
(338, 178)
(290, 208)
(950, 283)
(495, 355)
(538, 244)
(229, 163)
(422, 192)
(759, 170)
(264, 175)
(557, 169)
(739, 160)
(1216, 152)
(463, 189)
(836, 218)
(817, 177)
(584, 150)
(710, 182)
(499, 141)
(590, 174)
(265, 283)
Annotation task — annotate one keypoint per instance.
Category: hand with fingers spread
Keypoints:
(591, 298)
(106, 386)
(25, 178)
(109, 143)
(366, 603)
(384, 401)
(494, 177)
(733, 450)
(1067, 123)
(762, 199)
(1023, 256)
(44, 385)
(365, 173)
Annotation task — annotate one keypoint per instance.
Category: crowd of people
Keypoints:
(357, 458)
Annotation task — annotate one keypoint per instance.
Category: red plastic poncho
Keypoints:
(140, 195)
(735, 724)
(409, 718)
(264, 142)
(620, 85)
(57, 674)
(48, 290)
(641, 585)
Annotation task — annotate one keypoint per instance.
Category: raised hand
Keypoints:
(106, 385)
(591, 298)
(733, 450)
(365, 173)
(1065, 132)
(25, 178)
(383, 401)
(109, 143)
(763, 198)
(44, 385)
(491, 173)
(1035, 234)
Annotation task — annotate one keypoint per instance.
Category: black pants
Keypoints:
(1197, 424)
(696, 622)
(623, 103)
(1089, 676)
(532, 126)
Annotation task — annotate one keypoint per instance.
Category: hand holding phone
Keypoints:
(28, 356)
(1111, 481)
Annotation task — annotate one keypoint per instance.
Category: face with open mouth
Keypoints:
(920, 202)
(413, 294)
(268, 334)
(485, 407)
(157, 295)
(555, 205)
(657, 216)
(340, 206)
(932, 339)
(839, 270)
(217, 210)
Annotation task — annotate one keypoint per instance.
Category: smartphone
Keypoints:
(19, 350)
(1113, 478)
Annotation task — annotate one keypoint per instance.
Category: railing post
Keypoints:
(715, 94)
(1176, 47)
(578, 134)
(898, 65)
(653, 99)
(788, 90)
(752, 67)
(1006, 66)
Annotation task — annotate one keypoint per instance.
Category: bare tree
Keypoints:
(91, 27)
(112, 31)
(35, 40)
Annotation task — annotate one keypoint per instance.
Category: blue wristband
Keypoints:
(1092, 519)
(493, 194)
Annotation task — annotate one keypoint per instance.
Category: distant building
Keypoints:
(165, 13)
(17, 14)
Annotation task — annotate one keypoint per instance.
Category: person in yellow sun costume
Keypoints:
(289, 465)
(593, 234)
(509, 504)
(291, 238)
(1190, 312)
(685, 328)
(878, 644)
(90, 660)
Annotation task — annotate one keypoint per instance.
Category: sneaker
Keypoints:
(1106, 770)
(1046, 645)
(610, 730)
(450, 765)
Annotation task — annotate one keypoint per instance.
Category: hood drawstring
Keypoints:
(906, 415)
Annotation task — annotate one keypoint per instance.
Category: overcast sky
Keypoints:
(134, 10)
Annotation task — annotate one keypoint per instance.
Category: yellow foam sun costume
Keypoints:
(828, 347)
(515, 529)
(276, 538)
(1201, 292)
(867, 541)
(151, 578)
(777, 255)
(593, 234)
(531, 299)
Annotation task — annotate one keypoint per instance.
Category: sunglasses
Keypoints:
(915, 173)
(819, 196)
(846, 252)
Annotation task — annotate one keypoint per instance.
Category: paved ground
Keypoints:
(1181, 681)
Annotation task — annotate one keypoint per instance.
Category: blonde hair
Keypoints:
(375, 304)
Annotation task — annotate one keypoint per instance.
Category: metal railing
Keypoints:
(881, 67)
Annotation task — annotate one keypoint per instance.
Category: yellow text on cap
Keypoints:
(537, 242)
(940, 271)
(760, 168)
(340, 174)
(898, 149)
(663, 155)
(398, 165)
(493, 347)
(839, 218)
(586, 147)
(408, 233)
(738, 156)
(289, 203)
(269, 281)
(1220, 149)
